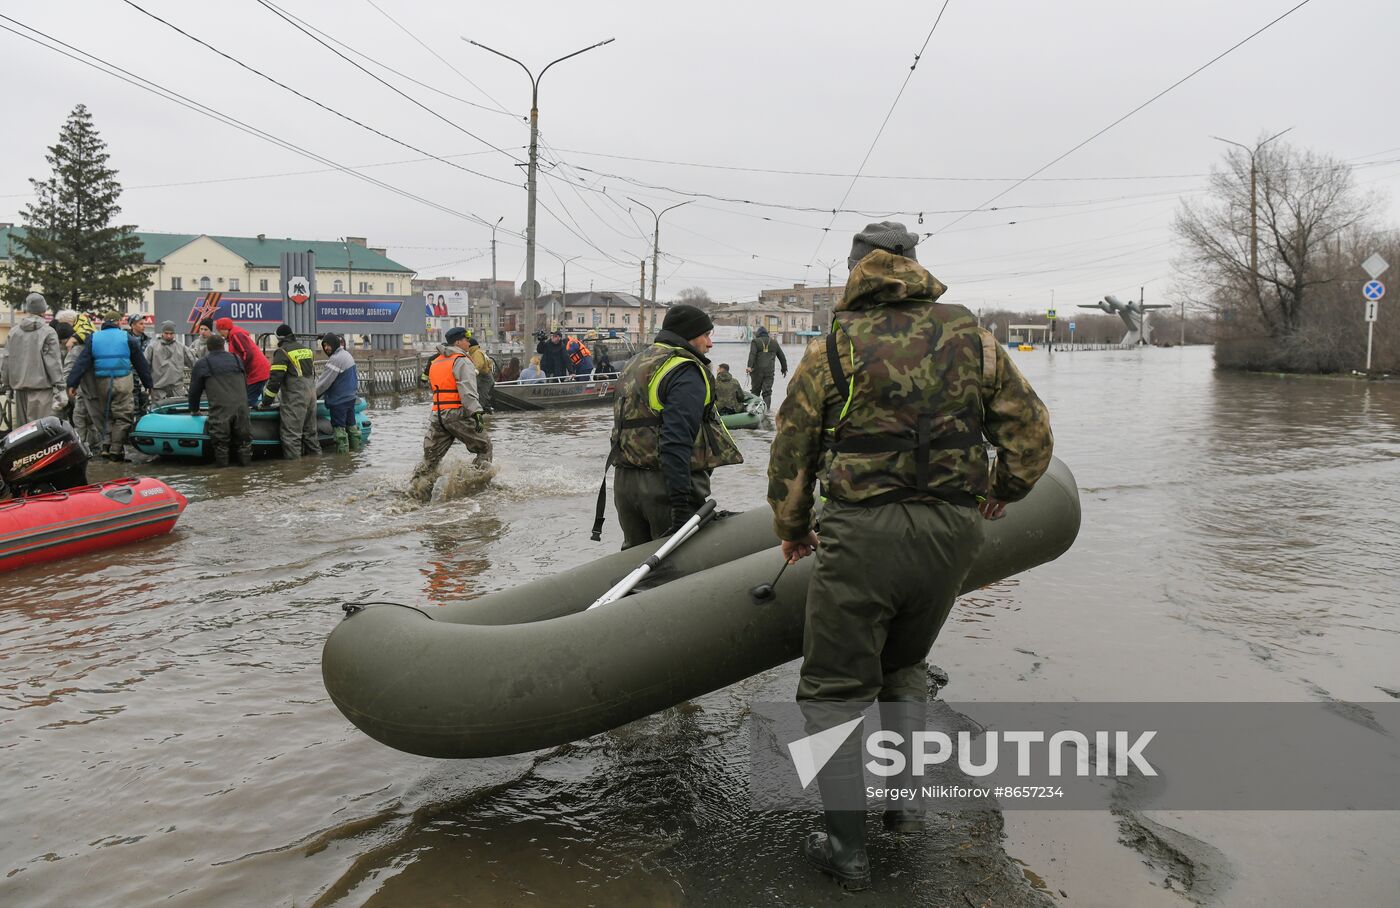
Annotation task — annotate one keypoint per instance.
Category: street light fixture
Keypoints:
(1253, 217)
(531, 288)
(655, 255)
(564, 292)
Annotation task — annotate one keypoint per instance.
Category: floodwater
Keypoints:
(166, 737)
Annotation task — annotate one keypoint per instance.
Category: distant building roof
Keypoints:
(600, 298)
(264, 252)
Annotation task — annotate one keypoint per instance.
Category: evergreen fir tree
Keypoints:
(71, 251)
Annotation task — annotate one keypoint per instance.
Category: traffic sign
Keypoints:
(1052, 313)
(1071, 326)
(1375, 265)
(1373, 290)
(1371, 310)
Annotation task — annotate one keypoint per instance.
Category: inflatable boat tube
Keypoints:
(86, 519)
(750, 418)
(169, 430)
(529, 668)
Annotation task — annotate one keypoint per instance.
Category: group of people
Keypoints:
(558, 356)
(891, 413)
(102, 377)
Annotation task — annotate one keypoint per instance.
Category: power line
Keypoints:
(266, 4)
(881, 131)
(304, 97)
(117, 72)
(1125, 116)
(440, 57)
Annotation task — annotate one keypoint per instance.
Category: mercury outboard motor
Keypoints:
(45, 455)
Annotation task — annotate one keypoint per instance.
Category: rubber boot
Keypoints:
(840, 851)
(342, 440)
(357, 441)
(220, 455)
(904, 717)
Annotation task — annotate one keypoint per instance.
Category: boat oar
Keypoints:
(688, 529)
(765, 592)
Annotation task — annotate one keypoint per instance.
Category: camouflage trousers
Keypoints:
(884, 583)
(644, 505)
(445, 428)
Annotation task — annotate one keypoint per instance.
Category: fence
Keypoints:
(389, 374)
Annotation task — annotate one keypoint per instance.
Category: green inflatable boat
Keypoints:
(533, 667)
(169, 430)
(749, 419)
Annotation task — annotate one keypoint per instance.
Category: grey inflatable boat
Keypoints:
(531, 667)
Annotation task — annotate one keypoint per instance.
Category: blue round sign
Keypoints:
(1373, 290)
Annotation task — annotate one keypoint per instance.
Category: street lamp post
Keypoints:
(564, 292)
(531, 288)
(495, 309)
(825, 320)
(655, 254)
(1253, 213)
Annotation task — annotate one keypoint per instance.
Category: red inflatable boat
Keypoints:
(85, 519)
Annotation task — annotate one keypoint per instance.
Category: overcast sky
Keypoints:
(723, 99)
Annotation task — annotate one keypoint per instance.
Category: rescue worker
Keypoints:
(485, 373)
(219, 376)
(762, 351)
(111, 355)
(241, 344)
(456, 412)
(32, 370)
(292, 383)
(890, 412)
(338, 384)
(552, 358)
(729, 394)
(580, 359)
(171, 362)
(667, 437)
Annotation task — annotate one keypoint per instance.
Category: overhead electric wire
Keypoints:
(268, 5)
(881, 131)
(440, 57)
(325, 107)
(1125, 116)
(124, 75)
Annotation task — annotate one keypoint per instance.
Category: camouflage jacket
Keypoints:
(907, 361)
(638, 420)
(729, 394)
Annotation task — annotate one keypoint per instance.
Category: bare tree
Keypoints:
(1302, 201)
(696, 296)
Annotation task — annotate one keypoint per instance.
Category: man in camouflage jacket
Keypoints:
(891, 413)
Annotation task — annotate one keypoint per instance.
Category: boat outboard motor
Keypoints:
(45, 455)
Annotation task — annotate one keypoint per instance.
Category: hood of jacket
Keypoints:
(883, 277)
(32, 323)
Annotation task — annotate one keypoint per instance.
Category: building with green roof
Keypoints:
(230, 264)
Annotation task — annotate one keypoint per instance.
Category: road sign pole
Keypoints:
(1370, 329)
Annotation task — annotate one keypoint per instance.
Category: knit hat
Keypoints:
(332, 340)
(63, 329)
(890, 236)
(687, 321)
(472, 340)
(205, 323)
(284, 331)
(166, 326)
(454, 334)
(223, 324)
(34, 304)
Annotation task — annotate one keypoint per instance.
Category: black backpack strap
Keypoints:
(833, 360)
(602, 507)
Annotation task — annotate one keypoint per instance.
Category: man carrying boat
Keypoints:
(667, 436)
(219, 376)
(292, 383)
(762, 352)
(891, 412)
(456, 412)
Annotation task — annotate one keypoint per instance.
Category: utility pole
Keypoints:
(655, 249)
(531, 288)
(1183, 322)
(642, 305)
(1253, 209)
(825, 321)
(495, 311)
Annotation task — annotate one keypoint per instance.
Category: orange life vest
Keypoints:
(576, 353)
(444, 383)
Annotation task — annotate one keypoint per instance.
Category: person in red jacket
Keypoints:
(255, 366)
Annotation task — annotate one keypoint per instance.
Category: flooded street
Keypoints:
(167, 739)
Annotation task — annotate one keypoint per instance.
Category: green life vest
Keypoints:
(637, 410)
(912, 376)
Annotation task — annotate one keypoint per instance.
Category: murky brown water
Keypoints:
(166, 737)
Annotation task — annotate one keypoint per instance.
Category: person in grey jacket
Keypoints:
(171, 362)
(33, 368)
